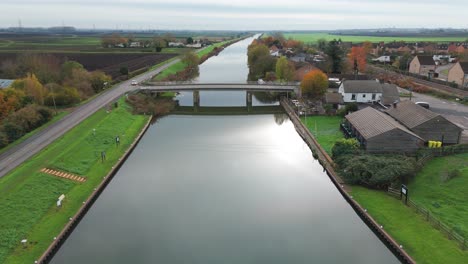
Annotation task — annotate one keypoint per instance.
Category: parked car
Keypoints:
(423, 104)
(134, 82)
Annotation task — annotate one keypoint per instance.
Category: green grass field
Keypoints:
(326, 130)
(313, 37)
(28, 197)
(445, 198)
(423, 242)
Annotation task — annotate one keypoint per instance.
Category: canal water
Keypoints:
(222, 190)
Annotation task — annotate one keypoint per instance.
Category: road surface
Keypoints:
(18, 154)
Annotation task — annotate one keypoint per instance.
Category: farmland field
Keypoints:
(313, 37)
(110, 63)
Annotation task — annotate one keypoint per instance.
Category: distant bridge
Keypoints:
(250, 87)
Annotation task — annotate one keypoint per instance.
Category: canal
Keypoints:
(222, 189)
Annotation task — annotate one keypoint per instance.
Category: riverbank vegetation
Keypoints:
(185, 69)
(156, 104)
(34, 193)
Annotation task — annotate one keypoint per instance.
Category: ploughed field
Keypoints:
(110, 63)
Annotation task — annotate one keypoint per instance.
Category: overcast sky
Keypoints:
(235, 14)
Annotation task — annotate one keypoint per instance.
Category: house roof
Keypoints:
(4, 83)
(333, 98)
(426, 60)
(371, 122)
(464, 66)
(390, 93)
(362, 86)
(410, 114)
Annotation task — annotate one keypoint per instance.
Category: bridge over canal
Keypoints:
(249, 87)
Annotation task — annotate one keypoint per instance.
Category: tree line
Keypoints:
(42, 82)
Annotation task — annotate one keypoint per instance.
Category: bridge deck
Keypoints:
(219, 87)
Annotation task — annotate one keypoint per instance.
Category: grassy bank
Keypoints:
(445, 197)
(422, 241)
(326, 129)
(180, 66)
(28, 197)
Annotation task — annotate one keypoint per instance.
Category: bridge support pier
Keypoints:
(196, 100)
(248, 100)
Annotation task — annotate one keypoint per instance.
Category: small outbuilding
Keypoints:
(379, 133)
(368, 91)
(425, 123)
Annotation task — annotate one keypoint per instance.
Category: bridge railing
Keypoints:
(195, 83)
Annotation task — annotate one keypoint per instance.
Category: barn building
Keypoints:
(425, 123)
(379, 133)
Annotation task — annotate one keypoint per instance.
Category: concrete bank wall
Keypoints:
(60, 239)
(328, 165)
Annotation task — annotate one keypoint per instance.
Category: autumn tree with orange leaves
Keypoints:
(357, 58)
(314, 84)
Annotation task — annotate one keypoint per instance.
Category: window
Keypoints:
(364, 96)
(353, 97)
(373, 96)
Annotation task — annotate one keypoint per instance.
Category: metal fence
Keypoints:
(448, 231)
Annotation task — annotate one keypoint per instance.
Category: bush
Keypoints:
(377, 171)
(24, 120)
(345, 147)
(65, 97)
(349, 108)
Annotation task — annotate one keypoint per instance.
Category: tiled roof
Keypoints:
(390, 94)
(358, 86)
(410, 114)
(371, 122)
(426, 60)
(464, 66)
(333, 98)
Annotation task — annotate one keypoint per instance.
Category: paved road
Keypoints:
(18, 154)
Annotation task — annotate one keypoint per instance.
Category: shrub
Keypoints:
(345, 147)
(377, 171)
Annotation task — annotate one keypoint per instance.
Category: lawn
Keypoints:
(326, 130)
(313, 37)
(423, 242)
(446, 198)
(28, 197)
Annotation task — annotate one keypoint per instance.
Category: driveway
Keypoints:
(18, 154)
(442, 70)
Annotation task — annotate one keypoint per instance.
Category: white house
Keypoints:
(135, 44)
(368, 91)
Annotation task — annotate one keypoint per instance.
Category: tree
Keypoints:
(189, 40)
(358, 57)
(335, 55)
(123, 70)
(99, 80)
(68, 67)
(314, 84)
(284, 69)
(322, 44)
(159, 43)
(191, 60)
(34, 89)
(259, 60)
